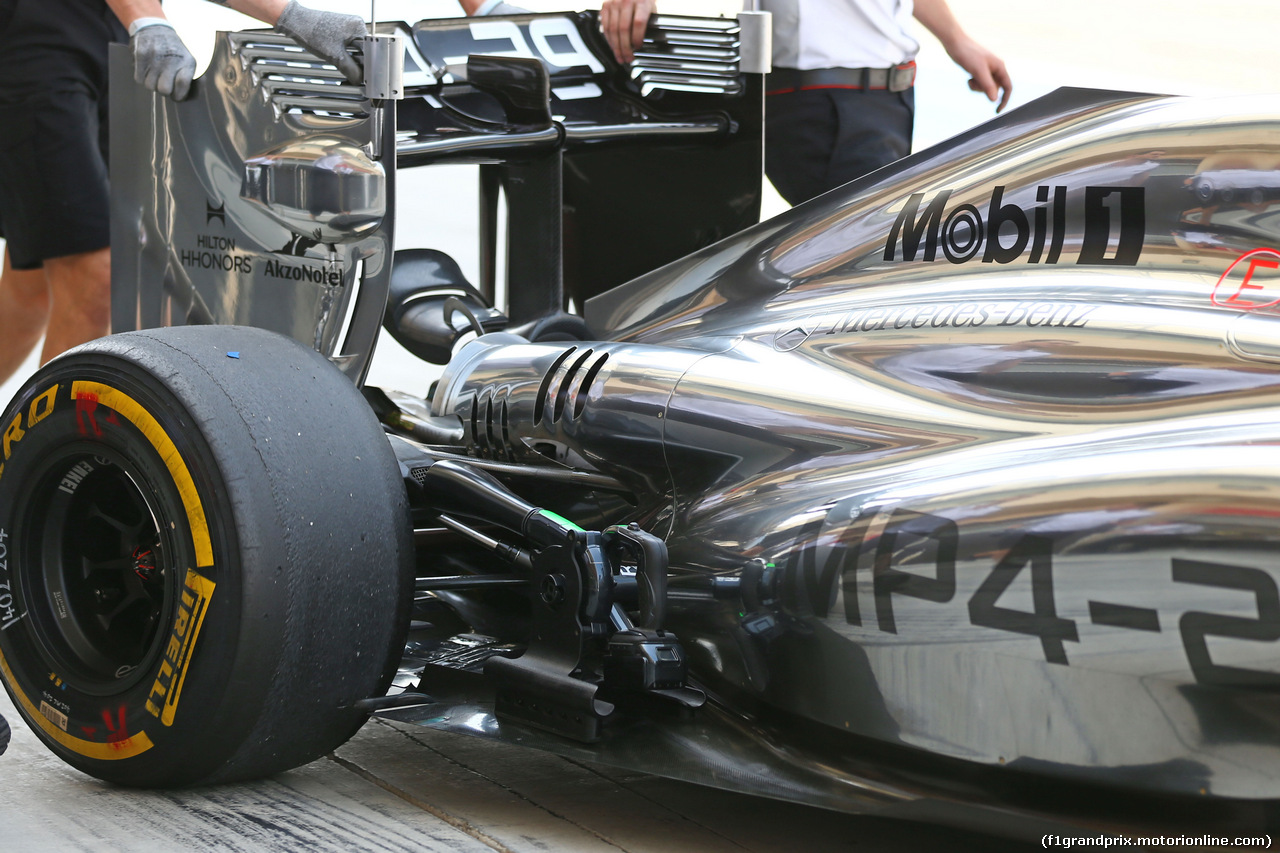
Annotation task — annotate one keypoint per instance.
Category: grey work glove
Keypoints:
(325, 34)
(161, 62)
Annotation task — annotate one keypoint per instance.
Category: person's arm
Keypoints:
(162, 62)
(128, 11)
(623, 23)
(490, 7)
(988, 74)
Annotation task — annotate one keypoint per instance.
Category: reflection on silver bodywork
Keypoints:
(325, 188)
(738, 753)
(260, 200)
(1001, 424)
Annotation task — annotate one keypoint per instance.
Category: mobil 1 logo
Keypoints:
(1112, 227)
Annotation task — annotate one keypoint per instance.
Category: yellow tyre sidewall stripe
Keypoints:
(150, 427)
(129, 408)
(124, 748)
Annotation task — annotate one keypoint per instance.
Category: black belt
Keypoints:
(900, 78)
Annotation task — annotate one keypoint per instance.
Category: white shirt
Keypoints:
(811, 34)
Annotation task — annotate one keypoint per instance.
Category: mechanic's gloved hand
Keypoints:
(326, 34)
(161, 62)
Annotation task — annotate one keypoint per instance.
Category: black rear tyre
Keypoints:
(205, 556)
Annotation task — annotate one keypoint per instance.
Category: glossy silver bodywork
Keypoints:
(264, 198)
(987, 439)
(261, 200)
(992, 437)
(322, 187)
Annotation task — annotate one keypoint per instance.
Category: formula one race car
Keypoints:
(952, 494)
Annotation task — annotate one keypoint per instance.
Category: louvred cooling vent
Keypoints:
(295, 81)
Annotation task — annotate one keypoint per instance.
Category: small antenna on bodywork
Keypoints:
(756, 39)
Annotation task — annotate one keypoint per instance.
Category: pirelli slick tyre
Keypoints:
(205, 556)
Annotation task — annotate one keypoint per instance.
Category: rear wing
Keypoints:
(267, 198)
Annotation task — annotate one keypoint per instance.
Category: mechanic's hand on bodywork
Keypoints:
(161, 62)
(623, 23)
(326, 34)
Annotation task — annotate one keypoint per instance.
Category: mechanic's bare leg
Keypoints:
(24, 313)
(80, 286)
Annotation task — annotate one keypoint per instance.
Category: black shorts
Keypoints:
(54, 199)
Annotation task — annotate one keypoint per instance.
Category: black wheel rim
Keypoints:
(99, 578)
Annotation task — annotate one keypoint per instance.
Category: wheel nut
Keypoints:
(553, 590)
